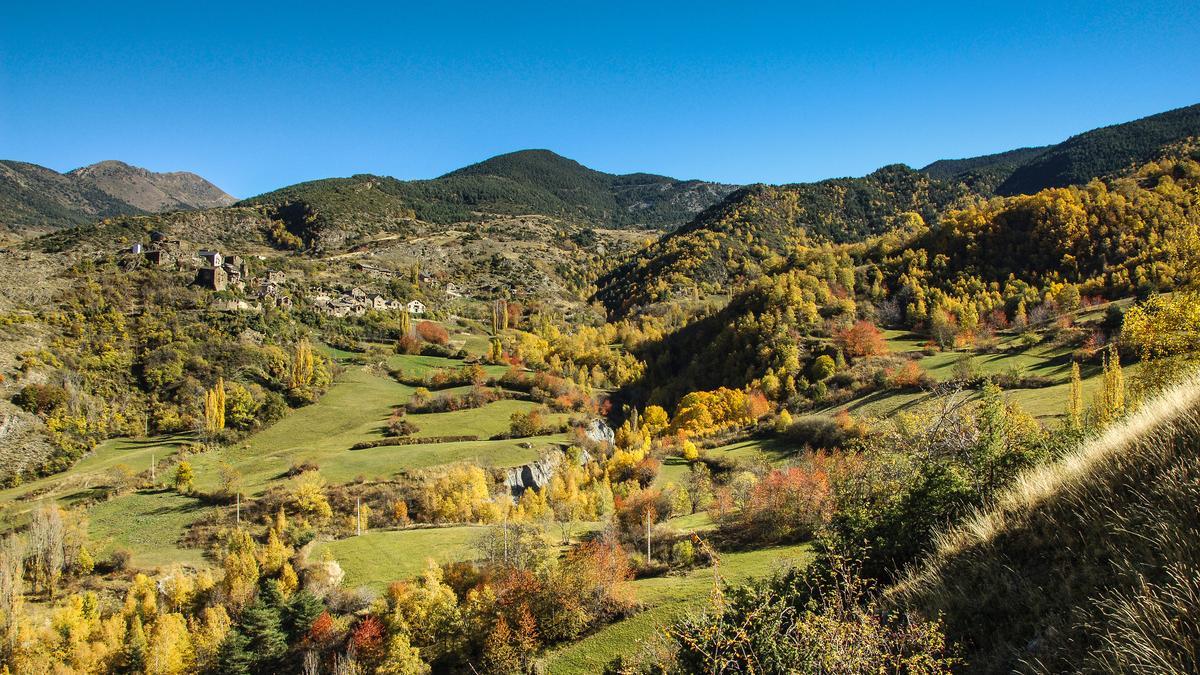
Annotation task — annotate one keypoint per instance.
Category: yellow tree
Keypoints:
(1075, 403)
(1109, 404)
(170, 650)
(302, 366)
(214, 407)
(1165, 331)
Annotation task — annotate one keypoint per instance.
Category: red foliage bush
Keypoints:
(408, 345)
(785, 505)
(432, 332)
(861, 339)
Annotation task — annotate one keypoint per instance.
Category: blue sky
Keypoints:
(257, 98)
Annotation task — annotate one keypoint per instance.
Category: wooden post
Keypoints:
(358, 514)
(649, 520)
(152, 468)
(239, 508)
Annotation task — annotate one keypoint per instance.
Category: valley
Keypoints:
(532, 417)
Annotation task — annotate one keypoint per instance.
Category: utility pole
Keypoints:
(358, 514)
(239, 508)
(649, 520)
(152, 468)
(505, 536)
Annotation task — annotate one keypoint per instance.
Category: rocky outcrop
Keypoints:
(598, 431)
(537, 475)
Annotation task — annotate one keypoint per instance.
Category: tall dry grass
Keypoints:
(1089, 564)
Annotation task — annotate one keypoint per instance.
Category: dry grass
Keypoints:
(1087, 564)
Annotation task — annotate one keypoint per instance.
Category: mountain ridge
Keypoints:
(34, 197)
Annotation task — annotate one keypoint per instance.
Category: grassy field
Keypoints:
(1048, 361)
(81, 481)
(375, 559)
(665, 598)
(356, 409)
(768, 451)
(148, 524)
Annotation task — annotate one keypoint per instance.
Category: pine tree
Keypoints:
(133, 655)
(261, 624)
(234, 657)
(301, 611)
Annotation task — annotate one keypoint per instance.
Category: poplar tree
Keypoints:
(1109, 403)
(1075, 403)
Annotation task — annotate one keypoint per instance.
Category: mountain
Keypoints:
(35, 197)
(329, 212)
(985, 173)
(637, 199)
(1092, 154)
(150, 191)
(752, 226)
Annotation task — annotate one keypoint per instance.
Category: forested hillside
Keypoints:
(1092, 154)
(756, 227)
(499, 422)
(988, 266)
(540, 182)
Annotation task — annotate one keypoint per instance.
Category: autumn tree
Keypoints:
(214, 408)
(184, 477)
(1109, 402)
(12, 582)
(860, 340)
(1075, 400)
(302, 367)
(1165, 332)
(47, 553)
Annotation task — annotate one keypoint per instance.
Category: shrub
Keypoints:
(783, 506)
(398, 425)
(408, 344)
(432, 332)
(817, 432)
(41, 398)
(822, 367)
(908, 376)
(683, 553)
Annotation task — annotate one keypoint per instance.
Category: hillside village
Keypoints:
(218, 272)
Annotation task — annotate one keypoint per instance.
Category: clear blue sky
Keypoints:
(259, 98)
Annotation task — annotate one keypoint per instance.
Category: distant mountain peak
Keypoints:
(151, 191)
(33, 196)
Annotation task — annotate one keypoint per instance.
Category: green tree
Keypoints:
(234, 657)
(302, 610)
(265, 640)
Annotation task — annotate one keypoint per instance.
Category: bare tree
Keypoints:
(46, 551)
(12, 562)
